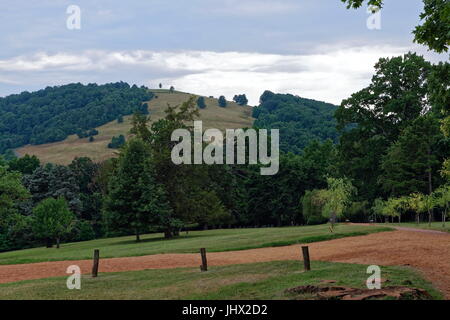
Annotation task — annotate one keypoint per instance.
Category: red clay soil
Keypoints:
(428, 252)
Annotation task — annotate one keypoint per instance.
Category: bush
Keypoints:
(240, 99)
(117, 142)
(222, 102)
(201, 102)
(83, 231)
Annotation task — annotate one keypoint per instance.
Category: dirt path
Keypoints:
(425, 251)
(420, 230)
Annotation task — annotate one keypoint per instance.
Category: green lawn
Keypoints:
(424, 225)
(213, 240)
(249, 281)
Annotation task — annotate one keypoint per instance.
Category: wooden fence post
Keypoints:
(96, 261)
(204, 266)
(306, 261)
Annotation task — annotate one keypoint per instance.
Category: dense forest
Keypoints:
(51, 114)
(300, 120)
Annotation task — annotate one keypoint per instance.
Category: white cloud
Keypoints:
(329, 76)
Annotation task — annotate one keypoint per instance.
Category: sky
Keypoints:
(312, 48)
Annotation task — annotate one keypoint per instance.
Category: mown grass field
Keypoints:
(213, 240)
(423, 225)
(213, 116)
(250, 281)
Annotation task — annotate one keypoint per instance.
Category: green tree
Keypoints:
(135, 201)
(372, 119)
(117, 142)
(24, 165)
(240, 99)
(222, 102)
(85, 172)
(415, 203)
(312, 204)
(54, 181)
(442, 199)
(378, 208)
(338, 197)
(412, 163)
(208, 209)
(428, 204)
(201, 102)
(187, 183)
(52, 219)
(11, 193)
(395, 207)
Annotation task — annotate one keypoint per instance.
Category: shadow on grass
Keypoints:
(311, 239)
(149, 240)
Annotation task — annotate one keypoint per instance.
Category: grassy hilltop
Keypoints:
(213, 116)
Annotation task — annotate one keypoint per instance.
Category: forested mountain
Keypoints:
(300, 120)
(53, 113)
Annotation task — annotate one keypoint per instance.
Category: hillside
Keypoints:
(54, 113)
(300, 120)
(213, 116)
(56, 138)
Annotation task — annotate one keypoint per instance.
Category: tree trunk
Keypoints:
(49, 243)
(168, 234)
(429, 217)
(138, 236)
(57, 243)
(443, 219)
(333, 220)
(430, 187)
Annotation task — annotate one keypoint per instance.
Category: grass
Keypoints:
(257, 281)
(213, 240)
(424, 225)
(213, 116)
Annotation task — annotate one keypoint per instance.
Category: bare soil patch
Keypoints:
(344, 293)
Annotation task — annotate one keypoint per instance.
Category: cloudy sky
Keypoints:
(312, 48)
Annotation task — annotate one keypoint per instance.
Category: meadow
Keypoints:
(213, 240)
(255, 281)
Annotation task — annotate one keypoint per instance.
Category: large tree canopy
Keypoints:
(396, 96)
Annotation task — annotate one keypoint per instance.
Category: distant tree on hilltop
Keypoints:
(201, 102)
(222, 102)
(240, 99)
